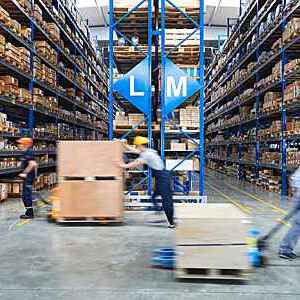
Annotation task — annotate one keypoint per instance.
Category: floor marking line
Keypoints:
(22, 223)
(278, 209)
(284, 222)
(241, 206)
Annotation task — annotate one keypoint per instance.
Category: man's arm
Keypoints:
(131, 149)
(132, 165)
(32, 164)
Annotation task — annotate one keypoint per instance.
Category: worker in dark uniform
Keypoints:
(162, 177)
(29, 167)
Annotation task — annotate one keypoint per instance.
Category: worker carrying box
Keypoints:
(162, 177)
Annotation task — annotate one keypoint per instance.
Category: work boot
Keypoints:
(28, 214)
(290, 255)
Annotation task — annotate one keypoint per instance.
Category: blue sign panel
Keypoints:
(179, 87)
(134, 86)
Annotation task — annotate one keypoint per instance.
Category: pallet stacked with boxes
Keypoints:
(252, 99)
(53, 83)
(211, 242)
(93, 190)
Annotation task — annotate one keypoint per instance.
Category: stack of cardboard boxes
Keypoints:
(93, 189)
(211, 242)
(292, 93)
(291, 30)
(271, 102)
(46, 51)
(136, 119)
(269, 180)
(189, 117)
(9, 86)
(17, 56)
(53, 31)
(2, 45)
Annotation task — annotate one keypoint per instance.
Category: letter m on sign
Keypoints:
(179, 87)
(176, 90)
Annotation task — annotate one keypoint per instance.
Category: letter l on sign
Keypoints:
(134, 93)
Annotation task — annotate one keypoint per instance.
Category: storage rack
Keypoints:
(81, 115)
(149, 21)
(261, 46)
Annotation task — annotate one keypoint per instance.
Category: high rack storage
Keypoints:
(252, 97)
(53, 83)
(154, 31)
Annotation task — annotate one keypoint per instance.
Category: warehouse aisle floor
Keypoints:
(40, 260)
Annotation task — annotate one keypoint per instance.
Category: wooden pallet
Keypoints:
(129, 127)
(188, 127)
(216, 274)
(90, 220)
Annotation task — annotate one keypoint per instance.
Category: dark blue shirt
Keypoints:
(26, 158)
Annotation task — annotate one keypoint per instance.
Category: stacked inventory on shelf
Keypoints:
(13, 188)
(53, 83)
(252, 97)
(177, 137)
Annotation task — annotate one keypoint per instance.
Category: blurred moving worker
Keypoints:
(162, 177)
(289, 242)
(28, 174)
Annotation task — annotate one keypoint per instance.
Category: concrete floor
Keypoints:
(40, 260)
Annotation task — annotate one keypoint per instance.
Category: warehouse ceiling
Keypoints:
(217, 11)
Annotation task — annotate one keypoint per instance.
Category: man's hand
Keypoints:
(22, 175)
(123, 165)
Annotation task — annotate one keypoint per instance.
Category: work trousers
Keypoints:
(290, 240)
(27, 192)
(163, 189)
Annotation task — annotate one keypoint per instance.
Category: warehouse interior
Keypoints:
(154, 147)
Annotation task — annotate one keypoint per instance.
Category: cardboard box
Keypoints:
(101, 198)
(186, 165)
(89, 158)
(190, 232)
(178, 146)
(192, 145)
(3, 191)
(211, 237)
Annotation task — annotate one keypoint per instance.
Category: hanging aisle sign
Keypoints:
(179, 86)
(134, 86)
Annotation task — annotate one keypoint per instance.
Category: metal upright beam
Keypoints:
(201, 100)
(257, 104)
(31, 83)
(284, 60)
(156, 58)
(163, 77)
(149, 92)
(111, 65)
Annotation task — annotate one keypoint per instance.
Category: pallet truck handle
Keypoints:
(262, 241)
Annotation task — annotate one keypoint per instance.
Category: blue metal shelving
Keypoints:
(198, 26)
(34, 114)
(289, 9)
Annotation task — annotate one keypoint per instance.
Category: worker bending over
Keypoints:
(289, 242)
(29, 167)
(162, 177)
